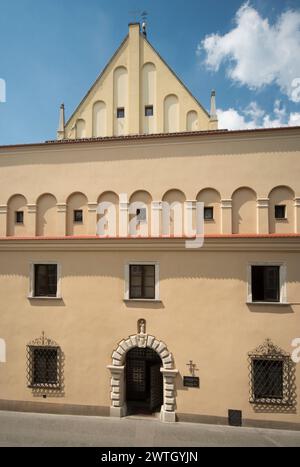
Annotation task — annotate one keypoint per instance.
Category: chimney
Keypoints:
(61, 125)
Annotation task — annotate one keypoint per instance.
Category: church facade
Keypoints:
(149, 261)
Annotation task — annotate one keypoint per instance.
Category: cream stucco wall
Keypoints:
(259, 164)
(135, 77)
(202, 314)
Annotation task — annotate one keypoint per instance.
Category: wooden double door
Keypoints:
(144, 381)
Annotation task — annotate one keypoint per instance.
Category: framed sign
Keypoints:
(191, 381)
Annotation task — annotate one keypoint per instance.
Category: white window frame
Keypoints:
(282, 282)
(31, 281)
(127, 281)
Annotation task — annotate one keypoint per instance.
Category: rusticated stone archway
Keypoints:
(142, 339)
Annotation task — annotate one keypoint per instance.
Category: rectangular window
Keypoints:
(120, 112)
(44, 366)
(208, 213)
(141, 214)
(148, 110)
(142, 281)
(45, 280)
(280, 212)
(265, 282)
(78, 215)
(19, 217)
(267, 378)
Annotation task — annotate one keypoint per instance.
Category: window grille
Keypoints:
(43, 364)
(270, 375)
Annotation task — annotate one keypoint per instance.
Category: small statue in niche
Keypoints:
(142, 336)
(141, 326)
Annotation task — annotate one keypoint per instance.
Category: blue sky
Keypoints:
(52, 51)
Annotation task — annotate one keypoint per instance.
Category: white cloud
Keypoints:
(258, 53)
(254, 116)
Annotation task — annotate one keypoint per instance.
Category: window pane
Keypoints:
(268, 378)
(148, 110)
(265, 283)
(44, 366)
(280, 212)
(135, 292)
(257, 273)
(45, 283)
(271, 282)
(19, 217)
(120, 112)
(149, 292)
(142, 281)
(208, 213)
(78, 215)
(149, 270)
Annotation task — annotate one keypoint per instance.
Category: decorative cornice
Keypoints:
(211, 243)
(3, 209)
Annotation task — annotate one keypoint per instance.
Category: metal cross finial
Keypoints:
(192, 367)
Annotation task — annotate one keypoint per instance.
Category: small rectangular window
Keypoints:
(141, 214)
(265, 283)
(267, 378)
(142, 281)
(78, 215)
(208, 213)
(45, 280)
(280, 212)
(120, 112)
(19, 217)
(149, 111)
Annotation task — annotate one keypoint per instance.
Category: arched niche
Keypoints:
(99, 119)
(282, 196)
(171, 114)
(172, 213)
(77, 203)
(120, 100)
(140, 213)
(211, 198)
(17, 203)
(149, 97)
(108, 214)
(80, 130)
(46, 215)
(244, 211)
(192, 121)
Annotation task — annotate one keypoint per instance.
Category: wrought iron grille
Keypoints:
(43, 364)
(270, 375)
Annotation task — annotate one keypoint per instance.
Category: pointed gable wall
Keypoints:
(136, 93)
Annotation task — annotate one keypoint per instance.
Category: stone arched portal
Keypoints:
(117, 369)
